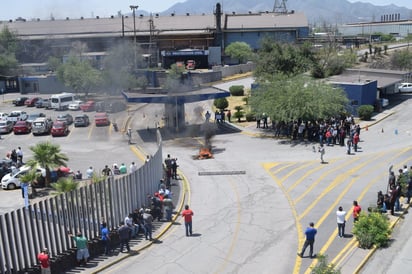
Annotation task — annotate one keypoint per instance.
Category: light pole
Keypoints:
(134, 8)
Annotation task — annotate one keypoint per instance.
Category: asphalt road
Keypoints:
(254, 222)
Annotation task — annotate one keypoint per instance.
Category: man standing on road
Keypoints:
(124, 236)
(322, 152)
(340, 216)
(133, 167)
(310, 239)
(187, 214)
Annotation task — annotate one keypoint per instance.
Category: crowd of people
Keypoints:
(399, 185)
(107, 171)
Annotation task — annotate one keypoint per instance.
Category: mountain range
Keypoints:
(317, 11)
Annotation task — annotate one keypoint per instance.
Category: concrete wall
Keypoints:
(236, 69)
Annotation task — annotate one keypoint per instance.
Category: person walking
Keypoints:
(187, 214)
(322, 152)
(356, 211)
(124, 236)
(44, 260)
(82, 249)
(310, 240)
(340, 218)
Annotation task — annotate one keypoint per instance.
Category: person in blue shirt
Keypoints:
(105, 238)
(310, 239)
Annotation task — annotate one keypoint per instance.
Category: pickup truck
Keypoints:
(17, 115)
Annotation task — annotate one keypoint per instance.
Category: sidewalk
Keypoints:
(102, 262)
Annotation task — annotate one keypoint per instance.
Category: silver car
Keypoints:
(6, 126)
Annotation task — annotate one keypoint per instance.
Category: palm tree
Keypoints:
(65, 185)
(47, 156)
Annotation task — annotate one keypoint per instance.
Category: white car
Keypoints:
(75, 105)
(3, 116)
(405, 87)
(12, 180)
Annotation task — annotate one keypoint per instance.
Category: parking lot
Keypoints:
(84, 146)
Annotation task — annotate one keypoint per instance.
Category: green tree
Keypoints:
(275, 58)
(239, 113)
(285, 99)
(79, 75)
(365, 112)
(174, 77)
(240, 51)
(47, 156)
(8, 48)
(402, 59)
(221, 103)
(65, 185)
(372, 229)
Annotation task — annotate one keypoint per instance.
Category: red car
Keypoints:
(88, 106)
(31, 101)
(101, 119)
(22, 127)
(59, 129)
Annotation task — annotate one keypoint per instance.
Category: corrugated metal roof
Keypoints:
(177, 24)
(266, 20)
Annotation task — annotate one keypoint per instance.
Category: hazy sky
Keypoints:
(43, 9)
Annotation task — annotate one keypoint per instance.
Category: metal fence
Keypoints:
(24, 232)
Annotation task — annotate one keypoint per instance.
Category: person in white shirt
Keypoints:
(340, 218)
(89, 172)
(133, 167)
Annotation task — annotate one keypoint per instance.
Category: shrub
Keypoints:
(65, 185)
(323, 267)
(365, 112)
(221, 103)
(250, 116)
(372, 229)
(237, 90)
(239, 113)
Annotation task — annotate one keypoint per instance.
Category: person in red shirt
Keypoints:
(44, 259)
(355, 141)
(187, 214)
(356, 211)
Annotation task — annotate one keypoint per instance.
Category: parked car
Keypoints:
(3, 116)
(81, 120)
(22, 127)
(5, 167)
(75, 105)
(12, 180)
(34, 116)
(59, 128)
(20, 101)
(17, 115)
(405, 87)
(30, 102)
(88, 106)
(101, 119)
(67, 118)
(43, 103)
(41, 125)
(6, 126)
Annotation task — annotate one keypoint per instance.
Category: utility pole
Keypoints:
(134, 8)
